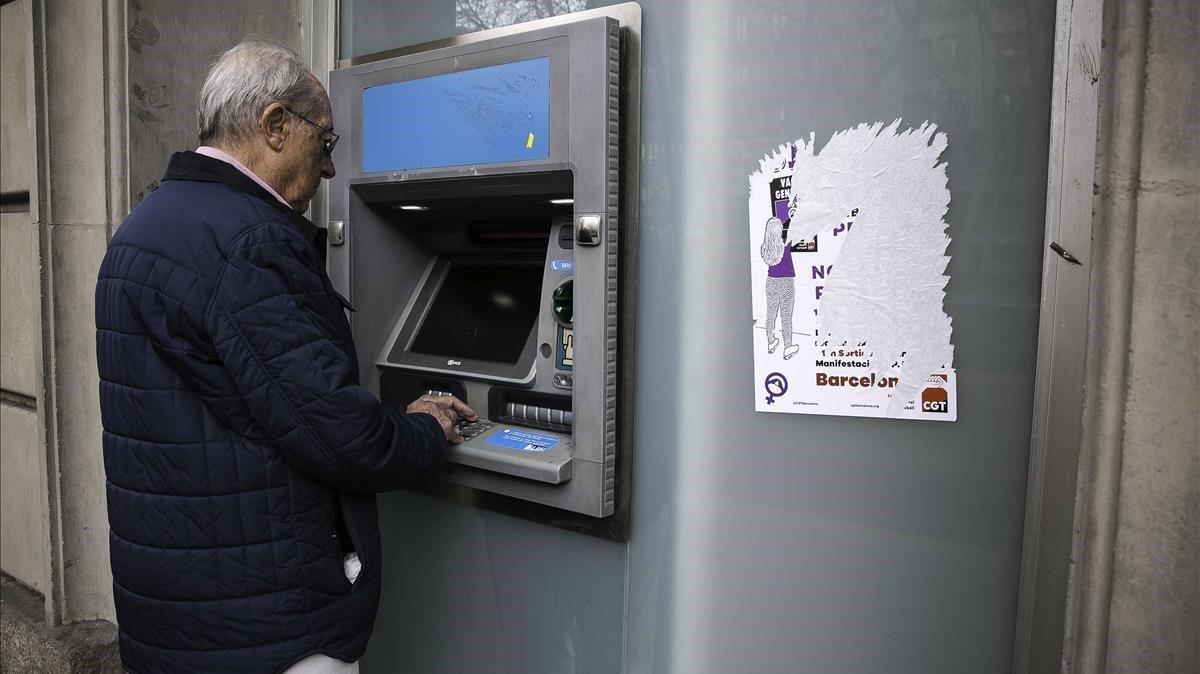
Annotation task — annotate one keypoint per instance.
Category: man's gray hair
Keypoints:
(247, 78)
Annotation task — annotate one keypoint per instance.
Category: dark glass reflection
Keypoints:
(481, 312)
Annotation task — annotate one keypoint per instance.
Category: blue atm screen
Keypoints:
(482, 116)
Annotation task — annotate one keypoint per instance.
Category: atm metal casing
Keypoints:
(382, 260)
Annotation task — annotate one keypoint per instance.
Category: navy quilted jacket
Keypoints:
(240, 451)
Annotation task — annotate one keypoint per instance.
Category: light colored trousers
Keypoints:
(781, 299)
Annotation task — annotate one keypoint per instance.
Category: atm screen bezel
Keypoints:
(544, 140)
(557, 48)
(397, 351)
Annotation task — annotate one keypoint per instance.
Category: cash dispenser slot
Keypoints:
(541, 417)
(531, 408)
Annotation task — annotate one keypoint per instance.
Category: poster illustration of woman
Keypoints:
(780, 285)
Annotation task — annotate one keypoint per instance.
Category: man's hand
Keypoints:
(447, 410)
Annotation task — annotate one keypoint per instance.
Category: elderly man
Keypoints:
(241, 453)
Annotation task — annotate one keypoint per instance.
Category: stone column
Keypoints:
(111, 91)
(79, 141)
(1134, 595)
(24, 551)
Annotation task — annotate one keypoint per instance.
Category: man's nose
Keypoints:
(327, 168)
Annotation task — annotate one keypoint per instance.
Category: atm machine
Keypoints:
(482, 223)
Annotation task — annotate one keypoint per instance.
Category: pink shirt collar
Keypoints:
(213, 152)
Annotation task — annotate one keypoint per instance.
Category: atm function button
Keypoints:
(563, 380)
(471, 429)
(588, 230)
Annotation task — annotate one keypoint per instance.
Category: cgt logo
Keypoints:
(935, 398)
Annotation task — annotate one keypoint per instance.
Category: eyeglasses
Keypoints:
(329, 140)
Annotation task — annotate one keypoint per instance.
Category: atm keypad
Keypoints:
(471, 429)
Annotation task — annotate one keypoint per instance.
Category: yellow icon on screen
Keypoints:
(529, 141)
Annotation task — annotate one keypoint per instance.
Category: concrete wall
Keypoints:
(23, 507)
(168, 60)
(1136, 584)
(23, 553)
(76, 72)
(18, 302)
(16, 159)
(22, 499)
(775, 542)
(85, 133)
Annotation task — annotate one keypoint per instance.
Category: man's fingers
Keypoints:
(447, 419)
(461, 409)
(451, 403)
(447, 410)
(441, 414)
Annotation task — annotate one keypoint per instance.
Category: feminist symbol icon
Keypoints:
(776, 385)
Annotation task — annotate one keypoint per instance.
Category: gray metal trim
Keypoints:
(409, 307)
(628, 13)
(1058, 395)
(415, 310)
(612, 268)
(320, 51)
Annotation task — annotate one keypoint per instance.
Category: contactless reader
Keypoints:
(476, 224)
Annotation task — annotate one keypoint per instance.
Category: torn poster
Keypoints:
(848, 276)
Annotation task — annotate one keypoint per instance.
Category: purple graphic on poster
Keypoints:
(781, 193)
(776, 385)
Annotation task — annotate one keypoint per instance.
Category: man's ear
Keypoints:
(274, 123)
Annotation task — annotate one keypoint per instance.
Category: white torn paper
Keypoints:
(848, 259)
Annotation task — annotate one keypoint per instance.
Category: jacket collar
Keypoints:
(192, 166)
